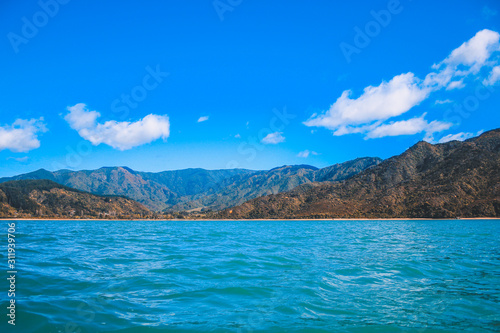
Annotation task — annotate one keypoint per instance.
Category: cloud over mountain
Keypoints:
(408, 127)
(367, 113)
(119, 135)
(273, 138)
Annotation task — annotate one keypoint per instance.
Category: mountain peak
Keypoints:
(454, 179)
(128, 169)
(295, 167)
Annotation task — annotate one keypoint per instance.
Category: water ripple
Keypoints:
(261, 276)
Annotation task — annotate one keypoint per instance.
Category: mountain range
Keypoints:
(196, 189)
(447, 180)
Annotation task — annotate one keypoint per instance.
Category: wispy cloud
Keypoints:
(459, 136)
(306, 153)
(202, 119)
(488, 12)
(394, 98)
(389, 99)
(443, 101)
(408, 127)
(119, 135)
(22, 135)
(19, 159)
(273, 138)
(494, 77)
(467, 59)
(458, 84)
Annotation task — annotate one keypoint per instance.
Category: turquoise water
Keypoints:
(255, 276)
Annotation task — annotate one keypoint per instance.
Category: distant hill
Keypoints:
(454, 179)
(45, 198)
(196, 189)
(238, 189)
(152, 190)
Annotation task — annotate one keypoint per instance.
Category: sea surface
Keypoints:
(254, 276)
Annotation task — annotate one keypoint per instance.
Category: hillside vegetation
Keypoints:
(449, 180)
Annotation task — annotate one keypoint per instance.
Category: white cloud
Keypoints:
(22, 135)
(472, 55)
(494, 77)
(306, 153)
(458, 84)
(459, 136)
(273, 138)
(237, 136)
(443, 101)
(408, 127)
(19, 159)
(80, 117)
(119, 135)
(366, 113)
(389, 99)
(202, 119)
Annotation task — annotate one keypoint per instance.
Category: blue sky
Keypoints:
(163, 85)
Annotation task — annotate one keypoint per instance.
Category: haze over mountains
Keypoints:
(190, 189)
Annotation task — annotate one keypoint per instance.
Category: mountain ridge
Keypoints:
(444, 180)
(195, 188)
(46, 198)
(448, 180)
